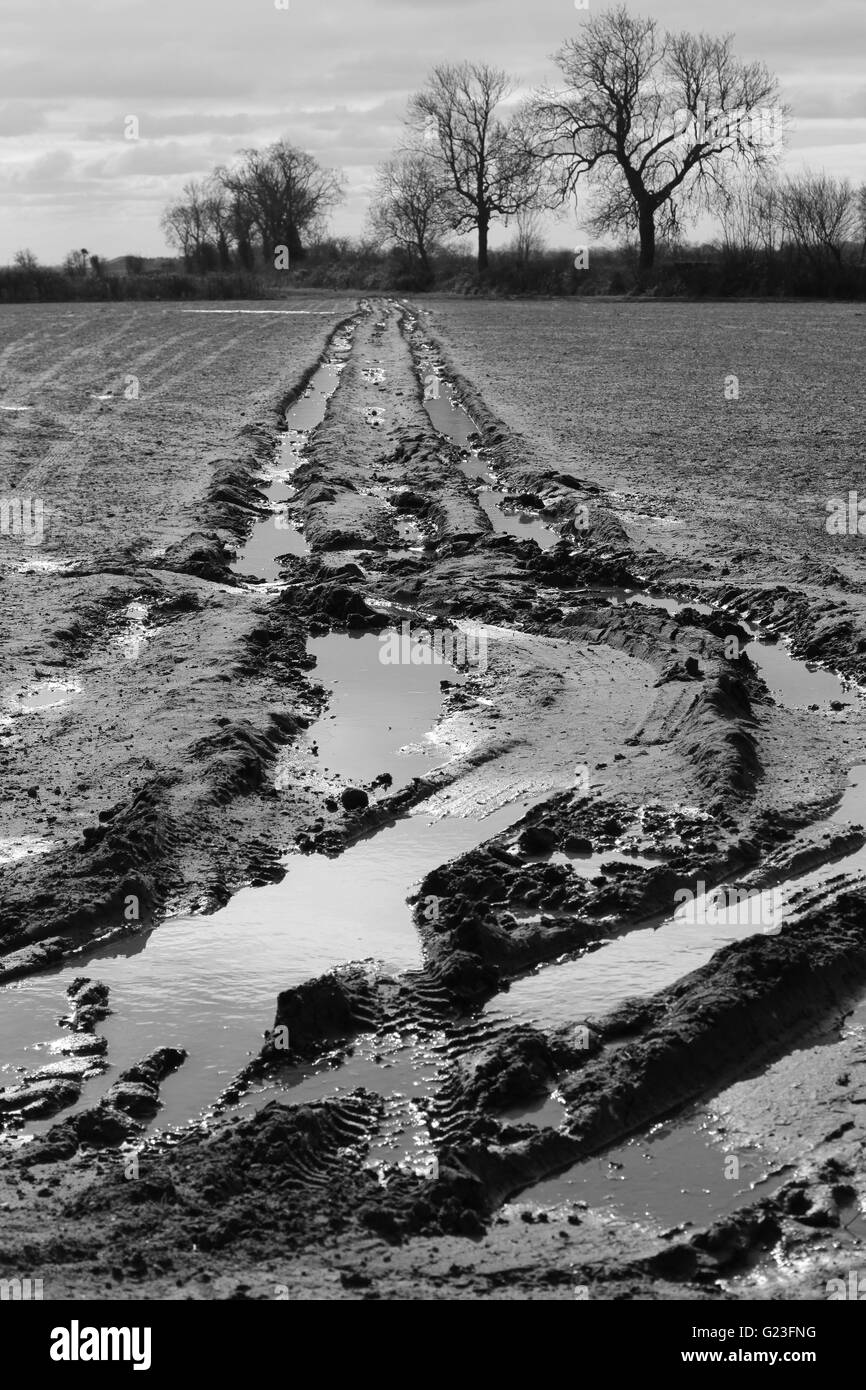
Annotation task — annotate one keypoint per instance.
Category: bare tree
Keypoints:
(185, 224)
(819, 214)
(410, 207)
(656, 122)
(280, 192)
(528, 241)
(751, 216)
(175, 224)
(488, 163)
(861, 218)
(25, 259)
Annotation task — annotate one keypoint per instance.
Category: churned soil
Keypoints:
(641, 735)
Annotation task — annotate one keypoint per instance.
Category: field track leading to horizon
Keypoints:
(443, 892)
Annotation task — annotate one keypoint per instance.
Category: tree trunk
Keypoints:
(483, 225)
(295, 245)
(647, 231)
(246, 255)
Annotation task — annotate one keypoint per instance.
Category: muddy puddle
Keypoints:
(797, 684)
(406, 1068)
(278, 534)
(209, 983)
(683, 1172)
(524, 525)
(792, 683)
(447, 415)
(453, 421)
(44, 695)
(649, 959)
(674, 1175)
(640, 963)
(640, 599)
(136, 632)
(590, 865)
(380, 718)
(402, 1067)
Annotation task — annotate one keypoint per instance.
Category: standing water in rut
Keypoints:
(645, 960)
(276, 534)
(604, 753)
(454, 422)
(324, 912)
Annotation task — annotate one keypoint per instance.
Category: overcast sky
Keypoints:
(207, 77)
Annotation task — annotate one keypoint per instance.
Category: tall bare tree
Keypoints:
(411, 207)
(657, 123)
(486, 160)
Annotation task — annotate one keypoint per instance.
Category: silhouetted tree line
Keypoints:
(257, 211)
(33, 284)
(659, 127)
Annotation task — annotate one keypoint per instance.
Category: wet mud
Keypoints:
(458, 843)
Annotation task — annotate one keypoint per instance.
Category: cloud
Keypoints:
(21, 118)
(208, 77)
(813, 98)
(50, 168)
(838, 133)
(136, 159)
(155, 125)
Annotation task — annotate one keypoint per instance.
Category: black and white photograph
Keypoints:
(432, 670)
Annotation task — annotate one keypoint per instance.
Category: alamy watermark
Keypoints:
(434, 647)
(727, 905)
(23, 517)
(846, 518)
(20, 1290)
(761, 125)
(854, 1288)
(77, 1343)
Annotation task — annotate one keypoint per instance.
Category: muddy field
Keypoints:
(433, 845)
(641, 396)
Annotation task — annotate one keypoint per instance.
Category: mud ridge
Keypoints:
(234, 499)
(820, 630)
